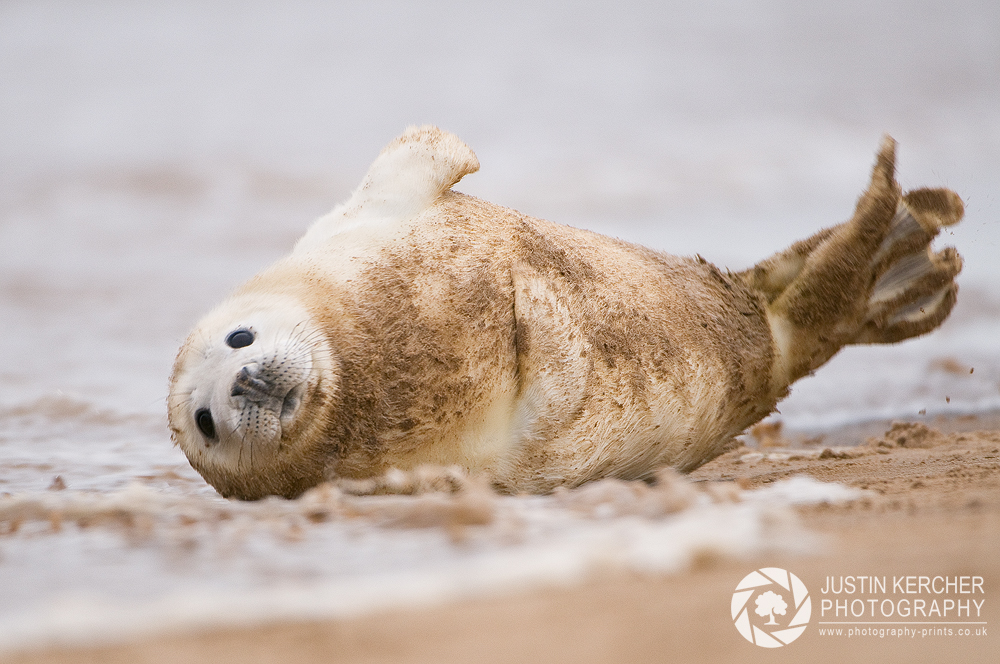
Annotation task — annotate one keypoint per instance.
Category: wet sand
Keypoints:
(932, 507)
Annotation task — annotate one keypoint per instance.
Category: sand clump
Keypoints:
(447, 498)
(936, 464)
(668, 494)
(427, 497)
(910, 466)
(908, 434)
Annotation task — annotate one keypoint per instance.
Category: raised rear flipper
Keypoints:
(873, 279)
(915, 290)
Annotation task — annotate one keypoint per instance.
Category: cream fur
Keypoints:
(414, 325)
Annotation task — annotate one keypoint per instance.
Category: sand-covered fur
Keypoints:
(872, 279)
(445, 330)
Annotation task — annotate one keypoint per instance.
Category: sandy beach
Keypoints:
(931, 507)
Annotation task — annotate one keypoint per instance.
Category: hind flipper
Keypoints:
(872, 279)
(824, 295)
(773, 275)
(915, 290)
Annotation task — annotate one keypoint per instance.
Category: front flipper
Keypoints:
(407, 177)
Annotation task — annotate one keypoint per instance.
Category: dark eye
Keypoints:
(239, 339)
(206, 425)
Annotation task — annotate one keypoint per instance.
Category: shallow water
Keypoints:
(154, 156)
(142, 560)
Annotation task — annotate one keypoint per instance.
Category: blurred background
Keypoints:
(154, 155)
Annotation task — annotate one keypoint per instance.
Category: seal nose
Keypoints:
(249, 384)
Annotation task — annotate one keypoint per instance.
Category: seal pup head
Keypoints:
(256, 389)
(248, 393)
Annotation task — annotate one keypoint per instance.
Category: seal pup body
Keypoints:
(415, 325)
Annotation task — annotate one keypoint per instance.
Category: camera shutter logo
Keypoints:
(776, 594)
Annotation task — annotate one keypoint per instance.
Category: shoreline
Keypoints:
(931, 507)
(856, 433)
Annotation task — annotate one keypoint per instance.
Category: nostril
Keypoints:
(203, 418)
(240, 339)
(248, 384)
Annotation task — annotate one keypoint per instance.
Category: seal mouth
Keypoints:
(259, 388)
(251, 384)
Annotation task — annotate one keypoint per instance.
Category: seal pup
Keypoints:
(415, 325)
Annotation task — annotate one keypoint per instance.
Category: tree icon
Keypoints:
(768, 604)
